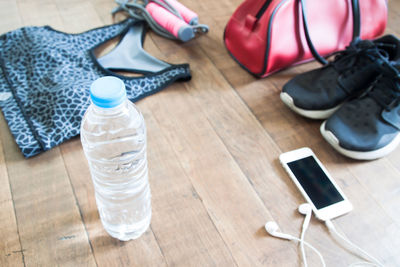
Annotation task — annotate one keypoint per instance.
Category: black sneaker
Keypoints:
(368, 127)
(318, 93)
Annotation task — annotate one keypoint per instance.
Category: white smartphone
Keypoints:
(315, 183)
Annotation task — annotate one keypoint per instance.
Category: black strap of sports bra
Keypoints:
(356, 28)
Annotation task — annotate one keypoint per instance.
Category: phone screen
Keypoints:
(315, 182)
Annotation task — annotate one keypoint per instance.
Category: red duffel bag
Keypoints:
(265, 36)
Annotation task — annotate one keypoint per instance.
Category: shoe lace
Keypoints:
(386, 88)
(355, 55)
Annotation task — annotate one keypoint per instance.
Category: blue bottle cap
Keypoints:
(107, 92)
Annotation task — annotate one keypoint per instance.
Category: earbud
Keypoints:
(305, 208)
(273, 229)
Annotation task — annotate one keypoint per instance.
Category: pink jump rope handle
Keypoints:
(170, 22)
(188, 15)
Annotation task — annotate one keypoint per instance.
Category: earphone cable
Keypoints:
(303, 253)
(353, 247)
(311, 247)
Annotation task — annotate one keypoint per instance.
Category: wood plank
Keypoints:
(77, 16)
(297, 134)
(50, 227)
(290, 131)
(192, 149)
(10, 246)
(182, 104)
(294, 132)
(11, 19)
(370, 215)
(247, 142)
(237, 212)
(184, 230)
(245, 139)
(103, 9)
(38, 13)
(384, 186)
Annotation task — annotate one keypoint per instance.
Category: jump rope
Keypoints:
(168, 18)
(305, 209)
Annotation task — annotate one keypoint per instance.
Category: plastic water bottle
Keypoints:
(113, 136)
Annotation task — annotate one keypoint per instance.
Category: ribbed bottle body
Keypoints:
(114, 142)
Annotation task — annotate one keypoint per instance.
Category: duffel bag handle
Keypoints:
(356, 28)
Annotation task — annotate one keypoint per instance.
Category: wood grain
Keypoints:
(50, 227)
(11, 253)
(10, 246)
(178, 208)
(236, 210)
(244, 137)
(213, 147)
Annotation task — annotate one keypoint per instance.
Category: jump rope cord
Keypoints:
(137, 9)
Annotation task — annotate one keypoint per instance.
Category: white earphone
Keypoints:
(273, 229)
(305, 209)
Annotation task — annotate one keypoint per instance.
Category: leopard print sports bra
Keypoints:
(45, 76)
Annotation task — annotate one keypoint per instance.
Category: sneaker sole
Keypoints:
(312, 114)
(360, 155)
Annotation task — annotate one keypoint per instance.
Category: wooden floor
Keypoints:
(213, 147)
